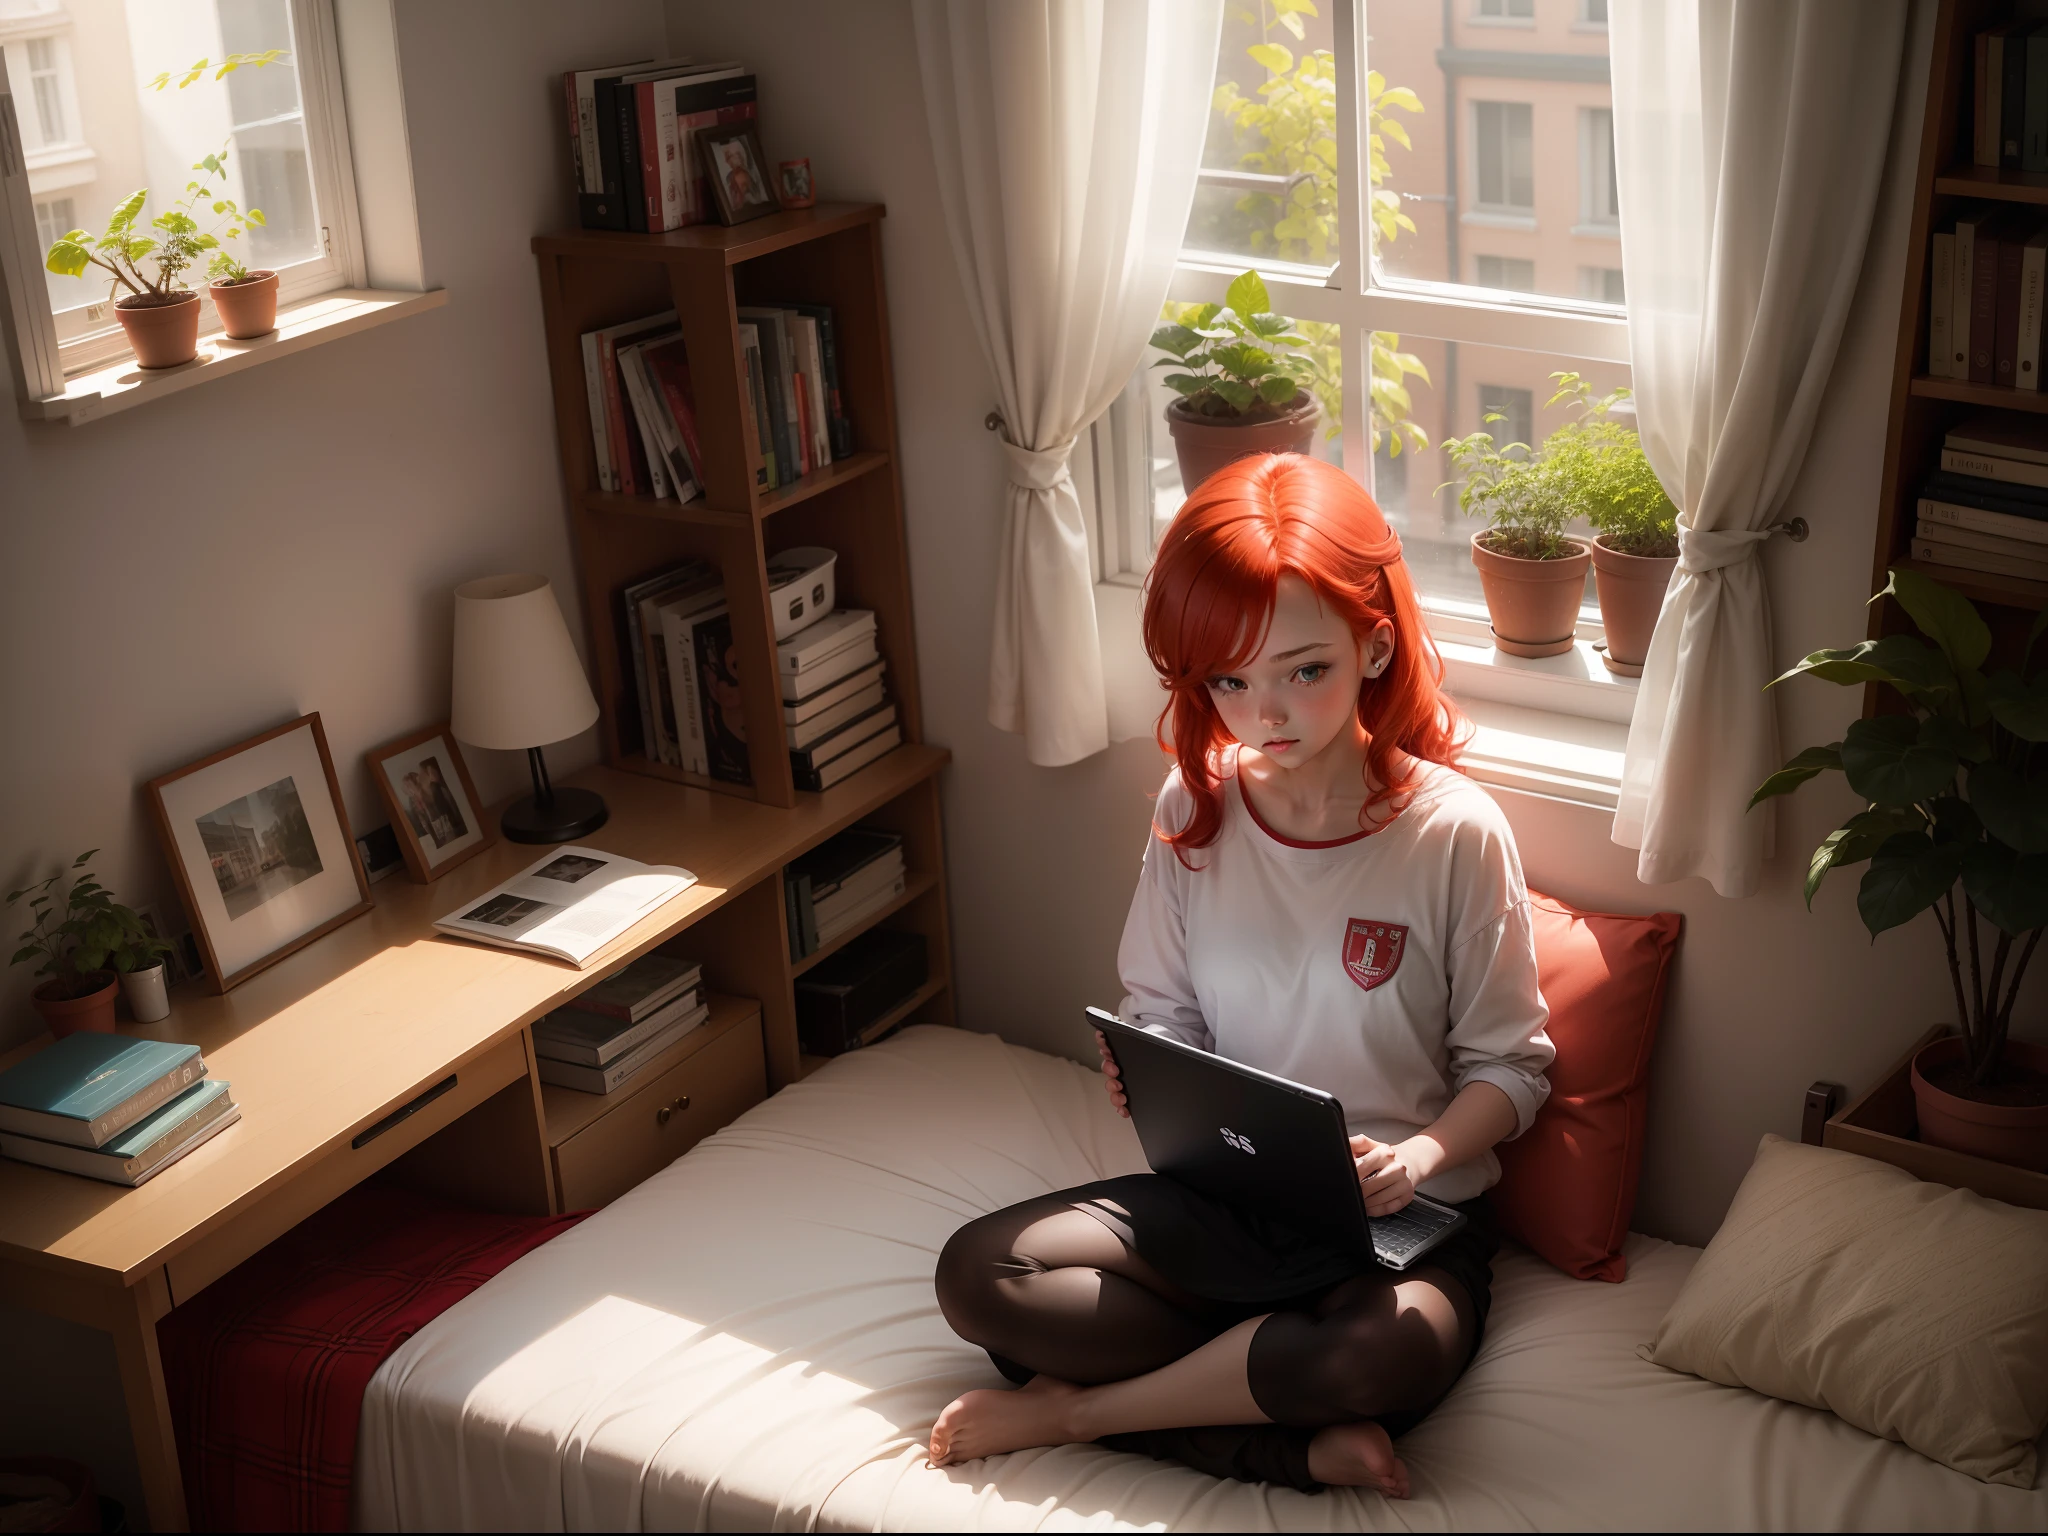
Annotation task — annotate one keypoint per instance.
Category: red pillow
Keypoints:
(1568, 1184)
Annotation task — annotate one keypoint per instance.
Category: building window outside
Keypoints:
(1593, 13)
(1599, 194)
(46, 78)
(1506, 10)
(54, 219)
(1601, 285)
(1516, 409)
(1515, 274)
(1504, 156)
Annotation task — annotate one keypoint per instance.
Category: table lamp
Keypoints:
(519, 686)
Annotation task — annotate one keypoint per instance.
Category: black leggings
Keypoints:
(1045, 1287)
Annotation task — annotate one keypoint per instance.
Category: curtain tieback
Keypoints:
(1038, 469)
(1704, 549)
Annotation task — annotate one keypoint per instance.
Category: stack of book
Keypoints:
(836, 712)
(643, 409)
(794, 410)
(621, 1024)
(1987, 507)
(110, 1107)
(2009, 123)
(632, 147)
(1986, 276)
(840, 884)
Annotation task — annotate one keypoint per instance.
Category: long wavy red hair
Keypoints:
(1209, 600)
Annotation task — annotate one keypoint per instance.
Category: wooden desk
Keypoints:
(324, 1045)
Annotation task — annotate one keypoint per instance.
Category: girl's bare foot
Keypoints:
(989, 1423)
(1357, 1456)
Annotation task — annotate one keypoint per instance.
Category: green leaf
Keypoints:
(1806, 765)
(1268, 327)
(68, 258)
(2008, 888)
(2019, 707)
(1968, 742)
(2014, 810)
(1278, 390)
(1944, 616)
(26, 952)
(1856, 840)
(1909, 665)
(1185, 383)
(1907, 875)
(1247, 294)
(125, 212)
(1888, 763)
(1275, 58)
(1239, 395)
(1177, 339)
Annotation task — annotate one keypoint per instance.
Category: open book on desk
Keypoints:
(569, 905)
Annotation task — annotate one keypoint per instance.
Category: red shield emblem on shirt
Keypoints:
(1372, 951)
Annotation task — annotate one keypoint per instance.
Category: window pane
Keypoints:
(1489, 159)
(101, 56)
(1268, 183)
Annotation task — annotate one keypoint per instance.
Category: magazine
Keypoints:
(570, 904)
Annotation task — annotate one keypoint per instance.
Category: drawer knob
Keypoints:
(663, 1114)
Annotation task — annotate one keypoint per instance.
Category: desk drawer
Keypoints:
(384, 1138)
(653, 1127)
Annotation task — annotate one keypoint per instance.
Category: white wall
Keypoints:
(1765, 998)
(182, 575)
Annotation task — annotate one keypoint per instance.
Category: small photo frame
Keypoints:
(793, 185)
(260, 845)
(434, 810)
(731, 156)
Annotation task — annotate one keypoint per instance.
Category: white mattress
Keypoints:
(749, 1341)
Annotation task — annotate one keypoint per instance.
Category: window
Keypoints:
(1504, 155)
(1599, 197)
(1506, 10)
(1516, 409)
(1514, 273)
(1592, 13)
(94, 128)
(1602, 285)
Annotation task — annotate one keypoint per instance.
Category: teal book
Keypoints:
(88, 1088)
(147, 1147)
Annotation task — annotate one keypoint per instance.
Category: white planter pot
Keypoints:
(148, 998)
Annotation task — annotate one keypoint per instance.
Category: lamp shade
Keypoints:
(518, 682)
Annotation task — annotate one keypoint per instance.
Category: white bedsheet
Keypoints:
(749, 1341)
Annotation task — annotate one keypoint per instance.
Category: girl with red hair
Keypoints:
(1324, 897)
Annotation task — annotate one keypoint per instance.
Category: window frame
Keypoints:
(48, 356)
(1598, 214)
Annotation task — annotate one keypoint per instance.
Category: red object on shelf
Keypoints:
(266, 1368)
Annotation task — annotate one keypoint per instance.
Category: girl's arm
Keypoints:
(1473, 1123)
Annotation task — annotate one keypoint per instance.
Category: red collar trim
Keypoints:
(1295, 842)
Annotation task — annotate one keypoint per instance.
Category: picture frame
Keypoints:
(435, 813)
(794, 187)
(259, 841)
(737, 170)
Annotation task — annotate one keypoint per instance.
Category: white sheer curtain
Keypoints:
(1750, 143)
(1067, 135)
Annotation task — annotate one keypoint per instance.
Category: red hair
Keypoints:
(1209, 601)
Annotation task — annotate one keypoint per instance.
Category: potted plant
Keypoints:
(246, 301)
(1241, 376)
(74, 945)
(1603, 471)
(1533, 574)
(1956, 823)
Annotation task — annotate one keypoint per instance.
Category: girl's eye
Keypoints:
(1227, 684)
(1314, 672)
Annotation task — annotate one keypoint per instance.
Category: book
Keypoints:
(811, 366)
(1967, 225)
(151, 1144)
(2033, 275)
(600, 433)
(754, 409)
(824, 722)
(1985, 561)
(675, 165)
(841, 425)
(827, 870)
(2005, 437)
(2031, 530)
(649, 983)
(1988, 102)
(668, 373)
(777, 368)
(658, 721)
(87, 1088)
(625, 450)
(2011, 258)
(674, 665)
(841, 628)
(1941, 263)
(1991, 233)
(570, 903)
(596, 1039)
(2034, 138)
(2012, 99)
(855, 658)
(721, 712)
(662, 467)
(617, 1072)
(849, 763)
(863, 908)
(1971, 538)
(856, 892)
(830, 694)
(1987, 467)
(843, 740)
(1992, 495)
(641, 602)
(595, 209)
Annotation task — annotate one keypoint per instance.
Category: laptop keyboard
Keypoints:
(1397, 1236)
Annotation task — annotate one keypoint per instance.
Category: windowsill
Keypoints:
(1562, 757)
(1600, 231)
(1482, 218)
(327, 317)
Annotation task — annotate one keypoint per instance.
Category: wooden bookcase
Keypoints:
(829, 255)
(1924, 408)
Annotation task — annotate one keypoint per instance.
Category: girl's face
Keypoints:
(1300, 692)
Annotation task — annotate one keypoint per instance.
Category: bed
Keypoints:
(749, 1340)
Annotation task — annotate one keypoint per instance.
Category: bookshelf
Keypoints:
(1923, 408)
(829, 255)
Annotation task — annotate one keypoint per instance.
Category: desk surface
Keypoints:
(322, 1044)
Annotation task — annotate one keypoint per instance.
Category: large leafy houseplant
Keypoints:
(75, 941)
(1235, 360)
(1955, 820)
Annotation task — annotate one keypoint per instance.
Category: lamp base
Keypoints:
(567, 814)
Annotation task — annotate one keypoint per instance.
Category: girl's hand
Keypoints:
(1111, 1078)
(1385, 1175)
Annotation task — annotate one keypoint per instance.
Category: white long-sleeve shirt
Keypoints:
(1389, 970)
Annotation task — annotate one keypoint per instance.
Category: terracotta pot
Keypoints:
(1631, 589)
(68, 1015)
(161, 335)
(247, 309)
(2004, 1133)
(1534, 604)
(1204, 444)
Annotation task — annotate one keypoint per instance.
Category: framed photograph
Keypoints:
(433, 804)
(796, 189)
(731, 153)
(260, 844)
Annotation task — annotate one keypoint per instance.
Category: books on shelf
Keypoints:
(615, 438)
(643, 409)
(631, 137)
(87, 1088)
(135, 1156)
(848, 999)
(2024, 561)
(1986, 508)
(568, 904)
(610, 1076)
(642, 988)
(800, 423)
(581, 1038)
(2009, 123)
(842, 881)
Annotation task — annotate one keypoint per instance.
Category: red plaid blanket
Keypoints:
(266, 1368)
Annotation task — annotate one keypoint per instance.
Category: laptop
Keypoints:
(1260, 1142)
